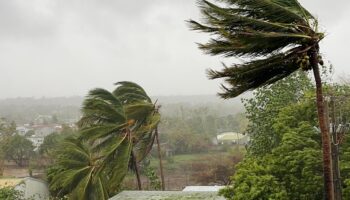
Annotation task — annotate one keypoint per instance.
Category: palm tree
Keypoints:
(78, 173)
(274, 38)
(120, 125)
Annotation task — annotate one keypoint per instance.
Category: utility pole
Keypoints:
(335, 152)
(329, 195)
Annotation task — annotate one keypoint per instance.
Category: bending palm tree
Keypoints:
(121, 125)
(280, 37)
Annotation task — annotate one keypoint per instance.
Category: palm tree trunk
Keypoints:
(326, 144)
(136, 171)
(160, 159)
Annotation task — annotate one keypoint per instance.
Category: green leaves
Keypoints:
(17, 148)
(274, 34)
(129, 92)
(268, 103)
(78, 170)
(9, 193)
(113, 125)
(248, 76)
(293, 170)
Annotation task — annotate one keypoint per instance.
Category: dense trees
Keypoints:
(266, 105)
(17, 148)
(295, 165)
(195, 130)
(284, 156)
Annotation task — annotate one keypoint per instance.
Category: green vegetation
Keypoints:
(284, 156)
(194, 131)
(290, 152)
(279, 37)
(18, 149)
(77, 172)
(116, 133)
(8, 193)
(265, 106)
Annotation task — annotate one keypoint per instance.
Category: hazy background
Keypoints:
(64, 48)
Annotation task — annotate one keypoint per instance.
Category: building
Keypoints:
(45, 130)
(22, 130)
(232, 138)
(214, 188)
(167, 195)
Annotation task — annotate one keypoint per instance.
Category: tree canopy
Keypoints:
(116, 132)
(275, 35)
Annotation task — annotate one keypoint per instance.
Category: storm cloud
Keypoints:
(63, 48)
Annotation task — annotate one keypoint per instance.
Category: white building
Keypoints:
(232, 138)
(214, 188)
(22, 130)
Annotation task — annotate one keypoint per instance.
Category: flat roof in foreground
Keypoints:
(166, 195)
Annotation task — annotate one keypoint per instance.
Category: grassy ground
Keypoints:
(177, 161)
(180, 170)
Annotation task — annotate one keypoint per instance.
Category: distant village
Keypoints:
(42, 126)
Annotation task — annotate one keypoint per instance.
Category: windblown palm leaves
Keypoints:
(80, 174)
(120, 126)
(278, 35)
(116, 132)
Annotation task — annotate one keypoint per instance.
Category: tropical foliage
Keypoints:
(116, 133)
(291, 168)
(278, 35)
(274, 38)
(266, 105)
(8, 193)
(78, 172)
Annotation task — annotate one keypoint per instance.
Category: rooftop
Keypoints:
(166, 195)
(203, 188)
(230, 136)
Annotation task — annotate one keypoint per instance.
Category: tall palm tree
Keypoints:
(120, 125)
(276, 38)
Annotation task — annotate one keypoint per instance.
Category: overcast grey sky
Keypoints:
(64, 48)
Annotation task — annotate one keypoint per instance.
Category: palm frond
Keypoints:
(271, 33)
(78, 169)
(253, 27)
(115, 124)
(129, 92)
(139, 110)
(118, 163)
(97, 111)
(144, 146)
(254, 74)
(101, 131)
